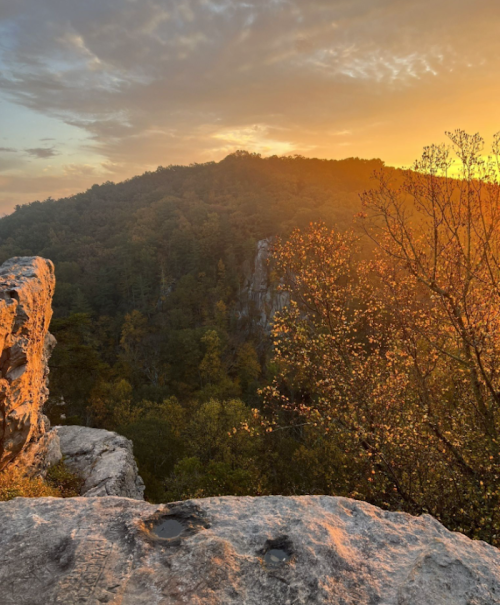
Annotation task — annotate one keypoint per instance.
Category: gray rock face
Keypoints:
(341, 552)
(261, 298)
(103, 459)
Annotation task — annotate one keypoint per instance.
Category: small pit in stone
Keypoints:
(277, 552)
(276, 557)
(173, 524)
(168, 528)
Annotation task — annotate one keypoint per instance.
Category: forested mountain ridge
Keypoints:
(250, 195)
(150, 275)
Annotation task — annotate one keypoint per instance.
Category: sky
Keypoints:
(102, 90)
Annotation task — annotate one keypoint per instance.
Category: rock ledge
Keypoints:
(343, 552)
(103, 459)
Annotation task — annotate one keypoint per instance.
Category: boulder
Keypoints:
(253, 551)
(103, 459)
(26, 290)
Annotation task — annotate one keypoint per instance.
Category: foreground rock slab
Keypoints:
(342, 552)
(103, 459)
(26, 290)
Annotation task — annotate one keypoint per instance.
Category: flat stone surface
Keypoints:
(90, 551)
(103, 459)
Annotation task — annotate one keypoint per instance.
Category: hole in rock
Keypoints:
(276, 556)
(172, 524)
(169, 528)
(277, 552)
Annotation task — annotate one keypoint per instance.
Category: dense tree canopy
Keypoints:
(144, 268)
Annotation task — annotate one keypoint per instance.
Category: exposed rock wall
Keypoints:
(260, 297)
(341, 552)
(26, 290)
(103, 459)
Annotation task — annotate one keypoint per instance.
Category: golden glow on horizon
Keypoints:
(88, 95)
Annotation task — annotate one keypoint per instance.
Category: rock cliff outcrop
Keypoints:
(253, 551)
(261, 298)
(103, 459)
(26, 290)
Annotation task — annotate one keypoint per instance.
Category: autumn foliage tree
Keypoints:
(396, 360)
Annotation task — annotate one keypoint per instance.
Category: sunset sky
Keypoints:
(96, 90)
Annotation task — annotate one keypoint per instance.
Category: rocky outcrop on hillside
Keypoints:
(261, 298)
(26, 290)
(104, 460)
(256, 551)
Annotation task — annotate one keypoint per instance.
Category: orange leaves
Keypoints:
(400, 355)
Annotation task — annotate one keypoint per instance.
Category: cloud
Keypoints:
(256, 138)
(8, 150)
(78, 169)
(42, 152)
(175, 81)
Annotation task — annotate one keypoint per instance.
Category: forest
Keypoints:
(148, 304)
(378, 380)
